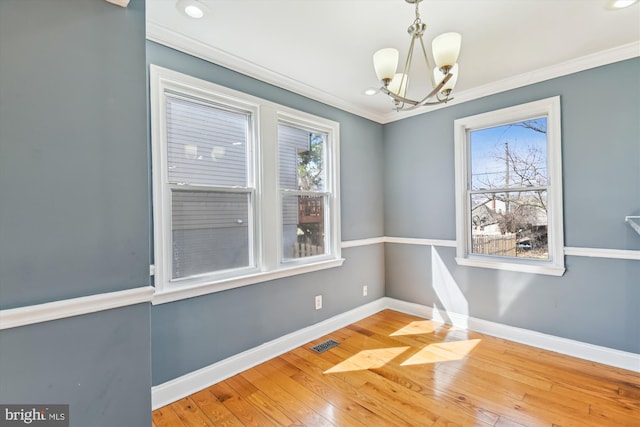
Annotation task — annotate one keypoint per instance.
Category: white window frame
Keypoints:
(331, 214)
(549, 108)
(263, 183)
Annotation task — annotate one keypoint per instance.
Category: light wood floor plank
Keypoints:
(281, 372)
(190, 414)
(285, 401)
(394, 369)
(166, 417)
(217, 413)
(238, 405)
(340, 393)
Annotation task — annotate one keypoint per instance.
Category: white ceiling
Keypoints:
(323, 48)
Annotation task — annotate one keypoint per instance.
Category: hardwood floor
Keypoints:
(393, 369)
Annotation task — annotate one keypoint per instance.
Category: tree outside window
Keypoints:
(509, 189)
(509, 194)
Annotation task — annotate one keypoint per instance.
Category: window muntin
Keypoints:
(509, 189)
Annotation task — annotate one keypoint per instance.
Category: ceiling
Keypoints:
(323, 48)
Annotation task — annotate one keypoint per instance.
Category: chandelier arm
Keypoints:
(397, 98)
(435, 92)
(425, 101)
(429, 66)
(407, 64)
(445, 99)
(424, 104)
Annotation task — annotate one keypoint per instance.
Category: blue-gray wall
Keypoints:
(597, 301)
(194, 333)
(74, 205)
(75, 216)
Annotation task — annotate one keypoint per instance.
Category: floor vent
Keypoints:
(324, 346)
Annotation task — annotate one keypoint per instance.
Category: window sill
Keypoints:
(548, 269)
(177, 292)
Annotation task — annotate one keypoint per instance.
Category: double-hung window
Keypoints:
(244, 190)
(304, 190)
(210, 184)
(509, 189)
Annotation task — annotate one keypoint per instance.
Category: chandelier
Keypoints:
(446, 48)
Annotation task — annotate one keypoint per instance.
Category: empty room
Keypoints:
(319, 213)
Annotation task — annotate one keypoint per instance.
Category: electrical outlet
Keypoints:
(365, 290)
(318, 302)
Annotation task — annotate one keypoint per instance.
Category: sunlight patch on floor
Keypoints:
(368, 359)
(418, 327)
(442, 352)
(431, 353)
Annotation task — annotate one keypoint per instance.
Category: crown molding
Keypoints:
(598, 59)
(163, 35)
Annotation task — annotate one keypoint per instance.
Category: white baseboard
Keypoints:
(170, 391)
(183, 386)
(594, 353)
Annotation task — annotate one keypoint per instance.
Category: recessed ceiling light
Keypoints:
(371, 91)
(192, 8)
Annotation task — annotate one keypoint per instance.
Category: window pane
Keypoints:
(301, 157)
(510, 224)
(210, 232)
(206, 145)
(302, 226)
(508, 156)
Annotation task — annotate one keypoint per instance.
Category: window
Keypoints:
(303, 187)
(209, 181)
(509, 189)
(244, 190)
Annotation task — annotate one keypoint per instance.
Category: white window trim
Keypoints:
(267, 201)
(332, 130)
(549, 107)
